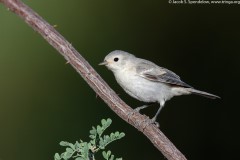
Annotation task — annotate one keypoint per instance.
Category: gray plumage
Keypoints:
(147, 81)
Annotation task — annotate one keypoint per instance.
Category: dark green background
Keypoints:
(44, 101)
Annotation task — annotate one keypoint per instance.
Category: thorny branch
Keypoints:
(160, 141)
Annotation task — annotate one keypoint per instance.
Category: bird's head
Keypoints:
(116, 60)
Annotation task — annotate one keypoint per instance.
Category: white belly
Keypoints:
(143, 89)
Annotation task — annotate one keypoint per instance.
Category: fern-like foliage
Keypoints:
(86, 150)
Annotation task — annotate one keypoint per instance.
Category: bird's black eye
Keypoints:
(116, 59)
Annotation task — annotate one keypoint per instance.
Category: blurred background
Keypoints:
(44, 101)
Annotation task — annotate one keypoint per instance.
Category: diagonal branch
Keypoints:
(159, 140)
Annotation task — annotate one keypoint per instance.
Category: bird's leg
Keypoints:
(140, 108)
(153, 120)
(156, 115)
(137, 110)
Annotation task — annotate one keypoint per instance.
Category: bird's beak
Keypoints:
(103, 63)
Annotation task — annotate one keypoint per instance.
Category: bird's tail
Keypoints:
(202, 93)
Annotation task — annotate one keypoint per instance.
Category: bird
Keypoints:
(146, 81)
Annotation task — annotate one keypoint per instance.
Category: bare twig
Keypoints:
(160, 141)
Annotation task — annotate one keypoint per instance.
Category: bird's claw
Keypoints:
(153, 121)
(148, 122)
(136, 110)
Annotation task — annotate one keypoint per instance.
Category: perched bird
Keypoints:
(147, 81)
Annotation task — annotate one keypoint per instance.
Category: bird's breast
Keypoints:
(141, 88)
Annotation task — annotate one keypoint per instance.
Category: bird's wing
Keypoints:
(152, 72)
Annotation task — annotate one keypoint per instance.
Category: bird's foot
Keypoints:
(140, 108)
(153, 121)
(136, 110)
(147, 122)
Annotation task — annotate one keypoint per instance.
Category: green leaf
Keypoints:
(112, 135)
(66, 155)
(92, 136)
(108, 153)
(107, 139)
(72, 146)
(69, 150)
(109, 122)
(93, 131)
(77, 145)
(121, 135)
(105, 155)
(82, 150)
(99, 130)
(63, 143)
(116, 134)
(101, 143)
(57, 156)
(93, 142)
(112, 157)
(85, 150)
(104, 122)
